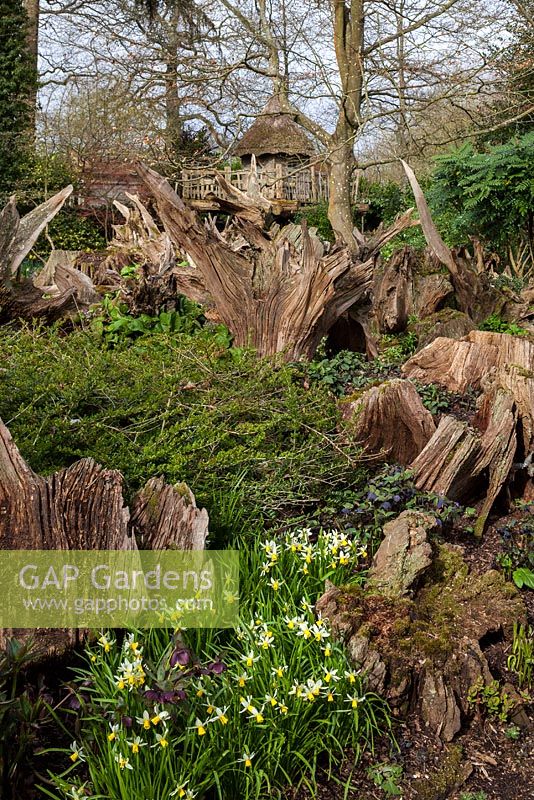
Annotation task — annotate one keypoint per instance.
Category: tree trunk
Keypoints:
(32, 8)
(340, 166)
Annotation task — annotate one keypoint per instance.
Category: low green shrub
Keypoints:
(115, 324)
(390, 491)
(67, 231)
(317, 217)
(207, 714)
(490, 699)
(347, 371)
(496, 324)
(516, 558)
(387, 777)
(470, 189)
(180, 406)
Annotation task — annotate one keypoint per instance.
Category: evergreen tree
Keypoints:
(17, 88)
(516, 64)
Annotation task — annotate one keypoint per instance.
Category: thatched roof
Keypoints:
(275, 132)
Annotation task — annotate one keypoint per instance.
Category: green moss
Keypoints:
(183, 490)
(444, 780)
(524, 373)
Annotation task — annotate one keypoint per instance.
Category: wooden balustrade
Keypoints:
(299, 186)
(302, 185)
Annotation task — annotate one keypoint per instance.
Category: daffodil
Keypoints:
(220, 715)
(144, 720)
(275, 583)
(278, 672)
(265, 640)
(251, 709)
(182, 792)
(106, 643)
(353, 700)
(312, 690)
(113, 733)
(271, 699)
(297, 689)
(159, 716)
(246, 759)
(77, 753)
(271, 550)
(124, 763)
(292, 622)
(320, 633)
(242, 679)
(161, 739)
(351, 676)
(282, 708)
(249, 659)
(130, 643)
(200, 727)
(135, 744)
(331, 675)
(304, 630)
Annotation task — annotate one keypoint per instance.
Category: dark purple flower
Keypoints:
(217, 667)
(371, 496)
(386, 506)
(181, 695)
(397, 498)
(346, 510)
(74, 703)
(152, 695)
(127, 722)
(168, 697)
(441, 502)
(181, 657)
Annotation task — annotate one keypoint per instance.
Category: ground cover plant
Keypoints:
(213, 714)
(181, 405)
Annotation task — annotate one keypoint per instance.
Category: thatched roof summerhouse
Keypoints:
(275, 135)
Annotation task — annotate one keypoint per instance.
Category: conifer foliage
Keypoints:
(17, 86)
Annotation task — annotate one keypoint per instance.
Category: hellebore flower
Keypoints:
(217, 667)
(180, 657)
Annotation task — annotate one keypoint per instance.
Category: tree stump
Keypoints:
(82, 508)
(59, 290)
(459, 364)
(276, 289)
(390, 420)
(425, 653)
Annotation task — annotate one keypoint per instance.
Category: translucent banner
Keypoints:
(119, 588)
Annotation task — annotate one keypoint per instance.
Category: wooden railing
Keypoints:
(300, 185)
